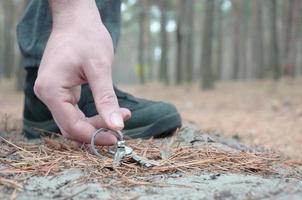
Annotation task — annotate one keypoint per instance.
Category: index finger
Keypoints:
(73, 125)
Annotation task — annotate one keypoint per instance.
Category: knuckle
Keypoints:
(38, 87)
(43, 91)
(107, 98)
(103, 60)
(98, 61)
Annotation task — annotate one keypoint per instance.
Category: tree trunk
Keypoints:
(8, 57)
(299, 43)
(236, 39)
(20, 72)
(206, 66)
(257, 34)
(274, 47)
(179, 40)
(189, 39)
(20, 78)
(219, 51)
(149, 42)
(287, 35)
(164, 73)
(294, 33)
(1, 40)
(244, 13)
(141, 41)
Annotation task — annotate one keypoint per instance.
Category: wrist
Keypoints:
(71, 13)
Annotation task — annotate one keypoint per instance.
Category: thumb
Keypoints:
(104, 97)
(107, 106)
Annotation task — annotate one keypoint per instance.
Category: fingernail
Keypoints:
(117, 120)
(127, 117)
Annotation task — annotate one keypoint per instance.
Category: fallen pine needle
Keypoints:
(53, 156)
(11, 184)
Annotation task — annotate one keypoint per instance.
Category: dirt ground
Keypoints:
(283, 182)
(203, 186)
(259, 114)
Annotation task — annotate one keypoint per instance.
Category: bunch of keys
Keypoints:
(121, 150)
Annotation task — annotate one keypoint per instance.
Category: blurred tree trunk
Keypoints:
(291, 60)
(142, 41)
(164, 73)
(274, 60)
(189, 28)
(257, 34)
(179, 40)
(1, 40)
(286, 68)
(244, 14)
(149, 42)
(20, 72)
(8, 57)
(236, 38)
(299, 43)
(219, 49)
(206, 64)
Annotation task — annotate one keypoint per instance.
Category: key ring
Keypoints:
(117, 134)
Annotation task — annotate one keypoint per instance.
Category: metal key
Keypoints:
(119, 153)
(143, 161)
(140, 160)
(122, 151)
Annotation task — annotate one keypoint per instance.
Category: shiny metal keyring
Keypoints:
(117, 134)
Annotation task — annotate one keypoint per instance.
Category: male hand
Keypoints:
(79, 50)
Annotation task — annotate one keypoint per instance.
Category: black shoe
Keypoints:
(148, 118)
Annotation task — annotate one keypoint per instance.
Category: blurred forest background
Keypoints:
(184, 41)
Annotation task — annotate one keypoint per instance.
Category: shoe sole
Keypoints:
(163, 127)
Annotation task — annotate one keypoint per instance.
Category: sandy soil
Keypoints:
(203, 186)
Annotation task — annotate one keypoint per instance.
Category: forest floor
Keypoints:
(239, 116)
(262, 113)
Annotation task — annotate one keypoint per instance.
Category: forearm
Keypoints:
(71, 12)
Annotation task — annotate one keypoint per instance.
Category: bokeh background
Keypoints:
(230, 66)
